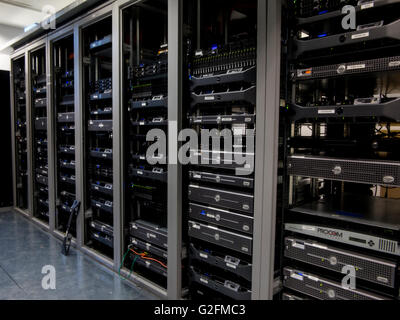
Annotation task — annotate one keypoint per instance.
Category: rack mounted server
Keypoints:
(146, 109)
(20, 129)
(222, 95)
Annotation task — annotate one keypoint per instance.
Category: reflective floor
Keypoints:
(25, 250)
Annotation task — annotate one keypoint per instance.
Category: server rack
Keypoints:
(62, 61)
(20, 132)
(341, 154)
(221, 68)
(145, 100)
(39, 122)
(97, 121)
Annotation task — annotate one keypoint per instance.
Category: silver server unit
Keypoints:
(357, 239)
(323, 289)
(321, 255)
(385, 173)
(221, 237)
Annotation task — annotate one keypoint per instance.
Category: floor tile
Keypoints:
(25, 249)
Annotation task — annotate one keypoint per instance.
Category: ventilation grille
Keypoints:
(357, 67)
(360, 171)
(322, 289)
(387, 246)
(334, 259)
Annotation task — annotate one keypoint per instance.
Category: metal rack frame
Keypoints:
(15, 56)
(56, 36)
(104, 12)
(268, 68)
(37, 45)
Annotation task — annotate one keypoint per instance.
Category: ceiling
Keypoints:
(22, 13)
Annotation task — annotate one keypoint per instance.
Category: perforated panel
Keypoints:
(371, 269)
(321, 288)
(369, 172)
(356, 67)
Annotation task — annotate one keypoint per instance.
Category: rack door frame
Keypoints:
(51, 39)
(33, 47)
(16, 56)
(96, 16)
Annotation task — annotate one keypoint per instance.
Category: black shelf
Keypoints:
(365, 210)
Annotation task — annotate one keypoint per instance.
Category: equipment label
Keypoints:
(296, 276)
(356, 67)
(360, 35)
(329, 111)
(367, 5)
(394, 64)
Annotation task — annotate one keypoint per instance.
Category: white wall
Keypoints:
(6, 34)
(5, 62)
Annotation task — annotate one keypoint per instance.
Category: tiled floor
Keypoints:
(25, 249)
